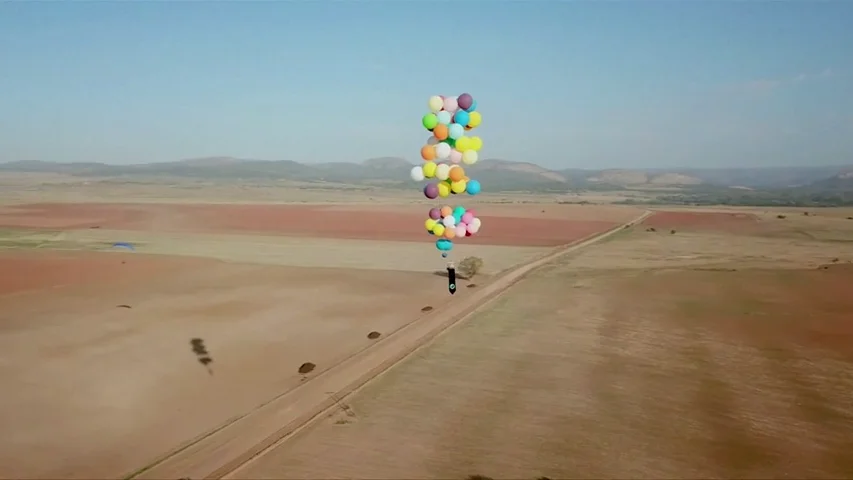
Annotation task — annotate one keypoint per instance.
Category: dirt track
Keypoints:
(228, 448)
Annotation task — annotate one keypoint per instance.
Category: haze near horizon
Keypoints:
(560, 84)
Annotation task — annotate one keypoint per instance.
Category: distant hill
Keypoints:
(498, 174)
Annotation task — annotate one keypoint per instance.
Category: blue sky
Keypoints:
(563, 84)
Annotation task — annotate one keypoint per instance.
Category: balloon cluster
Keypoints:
(448, 223)
(448, 146)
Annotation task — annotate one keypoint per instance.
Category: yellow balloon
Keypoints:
(470, 157)
(438, 230)
(430, 224)
(458, 187)
(443, 191)
(429, 169)
(474, 119)
(476, 143)
(463, 144)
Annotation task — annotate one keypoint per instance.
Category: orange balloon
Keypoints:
(428, 152)
(449, 232)
(440, 132)
(446, 211)
(466, 178)
(456, 173)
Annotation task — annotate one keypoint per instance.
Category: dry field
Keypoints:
(724, 350)
(99, 375)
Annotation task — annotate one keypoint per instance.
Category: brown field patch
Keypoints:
(729, 222)
(645, 374)
(296, 220)
(30, 270)
(95, 391)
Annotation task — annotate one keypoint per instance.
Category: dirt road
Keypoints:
(225, 450)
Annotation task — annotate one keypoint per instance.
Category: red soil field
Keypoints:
(26, 271)
(290, 220)
(713, 221)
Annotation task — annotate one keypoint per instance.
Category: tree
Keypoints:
(470, 266)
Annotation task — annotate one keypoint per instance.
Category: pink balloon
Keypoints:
(450, 104)
(467, 217)
(461, 230)
(469, 228)
(455, 156)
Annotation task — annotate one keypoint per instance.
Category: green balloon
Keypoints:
(430, 121)
(449, 141)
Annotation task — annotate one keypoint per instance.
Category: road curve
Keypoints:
(224, 451)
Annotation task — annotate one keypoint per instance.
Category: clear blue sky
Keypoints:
(562, 84)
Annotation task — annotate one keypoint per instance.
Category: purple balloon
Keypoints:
(431, 191)
(435, 213)
(464, 101)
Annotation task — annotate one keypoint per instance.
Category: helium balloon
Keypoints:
(459, 187)
(429, 169)
(445, 211)
(431, 191)
(459, 211)
(443, 190)
(435, 103)
(462, 117)
(450, 232)
(432, 140)
(476, 143)
(456, 173)
(430, 224)
(443, 254)
(474, 119)
(455, 156)
(443, 170)
(461, 230)
(473, 188)
(444, 244)
(463, 144)
(455, 131)
(429, 121)
(466, 217)
(442, 150)
(472, 107)
(476, 222)
(417, 174)
(434, 213)
(450, 104)
(470, 157)
(464, 101)
(440, 131)
(448, 221)
(438, 229)
(428, 152)
(442, 118)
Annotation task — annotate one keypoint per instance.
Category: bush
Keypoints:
(470, 266)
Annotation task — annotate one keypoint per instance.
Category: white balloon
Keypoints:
(432, 140)
(449, 221)
(442, 151)
(473, 228)
(442, 171)
(435, 103)
(443, 117)
(417, 174)
(476, 223)
(470, 157)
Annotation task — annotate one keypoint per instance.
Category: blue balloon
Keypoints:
(444, 245)
(462, 118)
(472, 107)
(473, 187)
(444, 255)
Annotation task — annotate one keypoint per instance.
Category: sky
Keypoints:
(562, 84)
